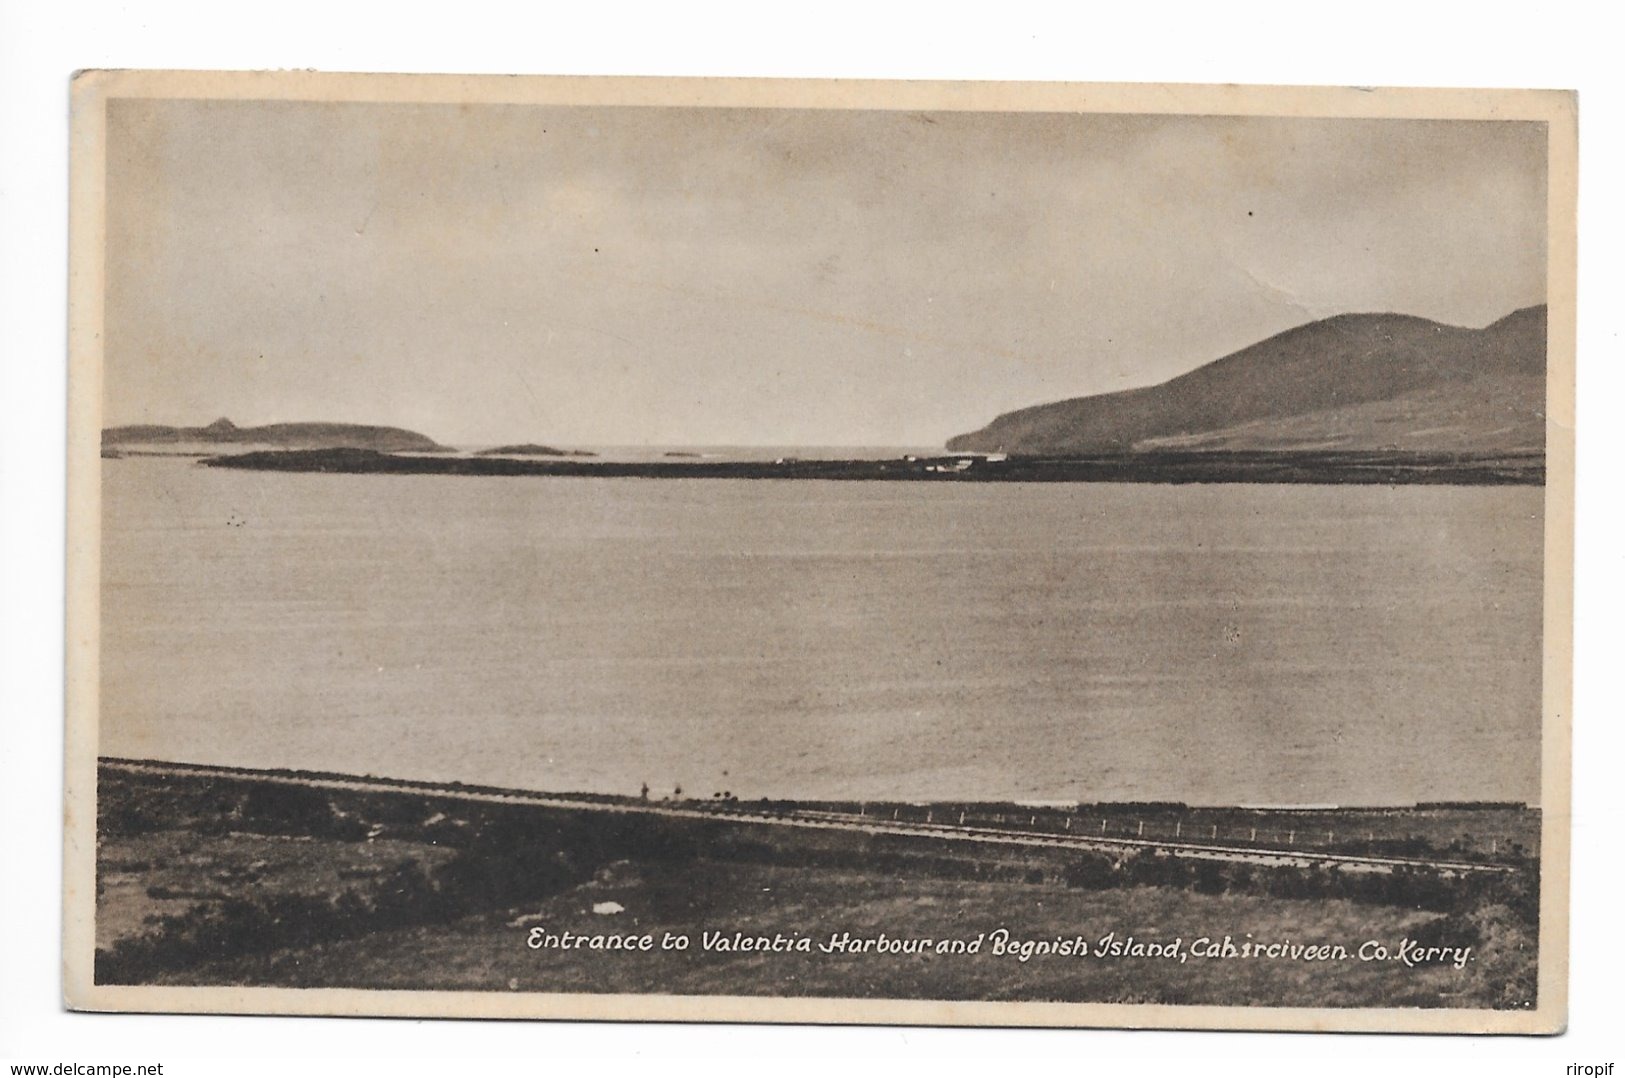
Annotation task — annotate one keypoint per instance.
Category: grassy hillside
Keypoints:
(210, 879)
(1357, 381)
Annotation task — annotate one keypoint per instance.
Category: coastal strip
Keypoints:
(745, 813)
(1317, 467)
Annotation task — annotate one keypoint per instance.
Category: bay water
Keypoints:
(1224, 644)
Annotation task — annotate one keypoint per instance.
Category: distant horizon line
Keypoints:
(1516, 310)
(516, 441)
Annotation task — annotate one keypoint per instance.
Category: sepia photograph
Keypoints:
(817, 551)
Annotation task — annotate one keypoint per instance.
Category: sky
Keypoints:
(711, 276)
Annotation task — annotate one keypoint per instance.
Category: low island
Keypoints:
(223, 433)
(1169, 466)
(531, 449)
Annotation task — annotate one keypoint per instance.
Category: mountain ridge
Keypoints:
(1376, 381)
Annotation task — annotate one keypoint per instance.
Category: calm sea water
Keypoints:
(1222, 644)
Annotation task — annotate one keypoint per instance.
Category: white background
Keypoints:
(41, 42)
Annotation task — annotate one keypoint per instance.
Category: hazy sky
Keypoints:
(612, 276)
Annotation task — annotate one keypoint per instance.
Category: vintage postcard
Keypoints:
(730, 550)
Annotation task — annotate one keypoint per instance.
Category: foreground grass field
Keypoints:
(489, 951)
(248, 883)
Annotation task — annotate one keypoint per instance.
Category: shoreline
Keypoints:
(1379, 838)
(296, 774)
(1319, 467)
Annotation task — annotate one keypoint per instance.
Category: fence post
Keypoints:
(1215, 834)
(1254, 836)
(1140, 833)
(1291, 837)
(1069, 823)
(1103, 826)
(1177, 825)
(927, 815)
(962, 817)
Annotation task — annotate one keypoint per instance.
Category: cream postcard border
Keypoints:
(90, 92)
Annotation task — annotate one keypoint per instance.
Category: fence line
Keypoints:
(1184, 828)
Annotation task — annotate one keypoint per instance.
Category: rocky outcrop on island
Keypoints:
(223, 432)
(1352, 383)
(531, 449)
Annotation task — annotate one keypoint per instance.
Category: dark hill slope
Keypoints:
(1486, 384)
